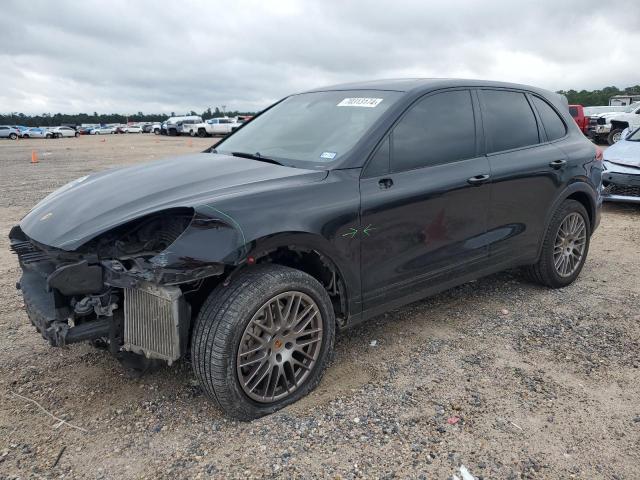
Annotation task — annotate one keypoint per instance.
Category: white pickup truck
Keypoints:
(607, 126)
(215, 126)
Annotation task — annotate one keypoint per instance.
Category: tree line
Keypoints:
(594, 98)
(50, 120)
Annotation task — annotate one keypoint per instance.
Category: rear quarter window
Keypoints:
(551, 121)
(508, 120)
(573, 111)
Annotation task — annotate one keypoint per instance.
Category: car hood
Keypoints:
(624, 153)
(607, 115)
(91, 205)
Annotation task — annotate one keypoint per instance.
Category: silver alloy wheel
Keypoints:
(570, 243)
(279, 347)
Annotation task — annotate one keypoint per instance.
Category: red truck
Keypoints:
(577, 112)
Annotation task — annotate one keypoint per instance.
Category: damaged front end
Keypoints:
(132, 288)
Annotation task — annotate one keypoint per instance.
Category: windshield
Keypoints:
(631, 108)
(318, 127)
(634, 137)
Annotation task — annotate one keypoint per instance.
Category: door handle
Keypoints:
(385, 183)
(557, 164)
(479, 179)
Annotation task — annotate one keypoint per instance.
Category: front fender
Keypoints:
(313, 215)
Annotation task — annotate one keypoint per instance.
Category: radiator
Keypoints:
(156, 322)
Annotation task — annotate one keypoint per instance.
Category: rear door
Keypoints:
(528, 171)
(424, 200)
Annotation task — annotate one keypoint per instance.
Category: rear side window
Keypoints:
(552, 123)
(508, 120)
(438, 129)
(573, 111)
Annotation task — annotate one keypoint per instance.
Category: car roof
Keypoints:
(416, 85)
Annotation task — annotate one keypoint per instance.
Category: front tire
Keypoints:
(13, 136)
(614, 136)
(263, 341)
(565, 247)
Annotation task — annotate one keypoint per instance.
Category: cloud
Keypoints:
(150, 56)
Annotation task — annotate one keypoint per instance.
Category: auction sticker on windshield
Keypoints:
(360, 102)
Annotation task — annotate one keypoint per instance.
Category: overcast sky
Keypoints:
(156, 56)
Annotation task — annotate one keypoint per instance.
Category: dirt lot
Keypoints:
(504, 377)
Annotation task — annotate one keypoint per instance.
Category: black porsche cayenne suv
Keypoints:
(328, 208)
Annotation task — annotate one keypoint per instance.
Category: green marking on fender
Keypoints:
(352, 233)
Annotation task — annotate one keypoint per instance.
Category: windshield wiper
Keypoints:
(255, 156)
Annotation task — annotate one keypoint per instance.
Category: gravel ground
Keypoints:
(509, 379)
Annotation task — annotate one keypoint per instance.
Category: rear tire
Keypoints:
(231, 318)
(551, 269)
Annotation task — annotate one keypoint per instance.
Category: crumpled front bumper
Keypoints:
(620, 183)
(40, 305)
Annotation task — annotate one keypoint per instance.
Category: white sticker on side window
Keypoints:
(360, 102)
(328, 155)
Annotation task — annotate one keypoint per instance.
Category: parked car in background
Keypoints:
(7, 131)
(181, 125)
(21, 129)
(621, 175)
(132, 129)
(607, 126)
(328, 209)
(37, 132)
(215, 126)
(147, 128)
(577, 112)
(243, 118)
(102, 130)
(59, 132)
(85, 130)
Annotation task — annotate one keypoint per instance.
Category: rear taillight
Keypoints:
(599, 153)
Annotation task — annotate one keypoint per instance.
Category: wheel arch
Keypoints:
(622, 124)
(579, 191)
(313, 255)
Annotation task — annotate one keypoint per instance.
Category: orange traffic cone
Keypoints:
(103, 140)
(34, 156)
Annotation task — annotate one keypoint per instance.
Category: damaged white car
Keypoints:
(621, 175)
